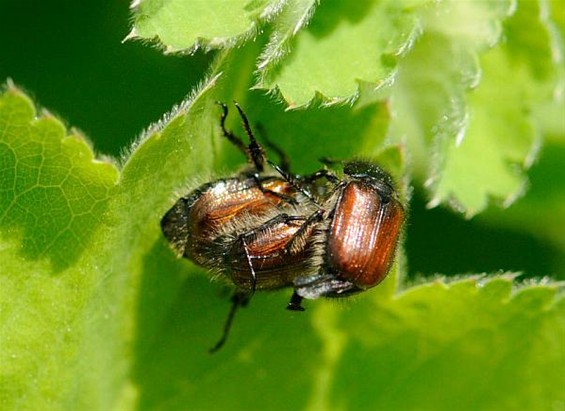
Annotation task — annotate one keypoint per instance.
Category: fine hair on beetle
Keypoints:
(266, 228)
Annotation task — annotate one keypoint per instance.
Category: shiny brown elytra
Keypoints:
(365, 221)
(194, 223)
(279, 250)
(363, 235)
(227, 207)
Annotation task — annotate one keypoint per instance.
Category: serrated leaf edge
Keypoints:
(208, 44)
(483, 279)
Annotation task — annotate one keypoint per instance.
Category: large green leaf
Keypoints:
(500, 131)
(345, 43)
(96, 312)
(436, 346)
(54, 196)
(116, 321)
(466, 345)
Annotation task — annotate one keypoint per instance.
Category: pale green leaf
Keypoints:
(471, 145)
(344, 44)
(72, 260)
(294, 15)
(180, 25)
(464, 345)
(54, 196)
(500, 130)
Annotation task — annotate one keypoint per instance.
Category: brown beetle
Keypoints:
(254, 228)
(364, 221)
(196, 220)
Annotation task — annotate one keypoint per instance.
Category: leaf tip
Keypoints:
(132, 35)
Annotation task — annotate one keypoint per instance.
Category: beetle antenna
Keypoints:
(254, 150)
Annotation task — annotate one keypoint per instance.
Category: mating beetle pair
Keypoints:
(266, 228)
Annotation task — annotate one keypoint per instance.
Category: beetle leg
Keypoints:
(323, 173)
(298, 183)
(281, 218)
(324, 285)
(285, 174)
(297, 241)
(250, 263)
(239, 299)
(295, 303)
(304, 232)
(284, 197)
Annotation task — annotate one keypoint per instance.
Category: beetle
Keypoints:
(363, 222)
(253, 229)
(193, 223)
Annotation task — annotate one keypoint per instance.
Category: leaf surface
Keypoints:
(180, 25)
(465, 115)
(127, 323)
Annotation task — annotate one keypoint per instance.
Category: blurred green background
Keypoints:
(70, 57)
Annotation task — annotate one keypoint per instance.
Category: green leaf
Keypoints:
(500, 131)
(344, 44)
(68, 330)
(53, 193)
(295, 15)
(79, 311)
(96, 312)
(53, 199)
(499, 142)
(456, 90)
(180, 25)
(464, 345)
(126, 325)
(470, 145)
